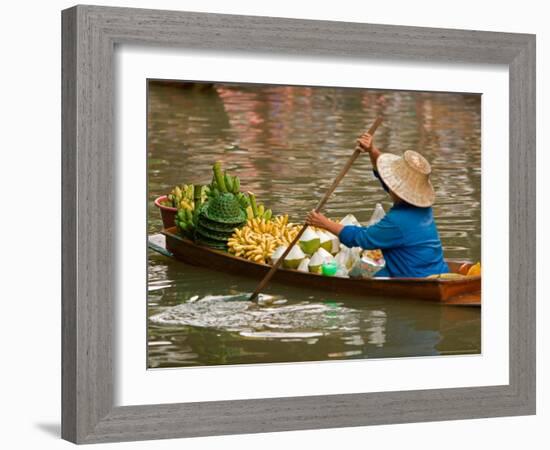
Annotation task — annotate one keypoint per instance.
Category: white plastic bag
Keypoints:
(342, 257)
(342, 272)
(347, 257)
(355, 255)
(377, 215)
(366, 267)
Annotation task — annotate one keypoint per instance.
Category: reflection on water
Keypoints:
(287, 144)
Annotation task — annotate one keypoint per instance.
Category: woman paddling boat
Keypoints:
(407, 235)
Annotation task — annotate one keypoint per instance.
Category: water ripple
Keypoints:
(232, 313)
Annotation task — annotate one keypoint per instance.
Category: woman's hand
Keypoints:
(316, 219)
(365, 142)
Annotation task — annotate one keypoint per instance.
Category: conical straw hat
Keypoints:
(408, 176)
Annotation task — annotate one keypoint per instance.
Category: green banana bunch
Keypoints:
(188, 199)
(254, 210)
(236, 184)
(185, 222)
(223, 181)
(253, 205)
(219, 179)
(243, 200)
(228, 180)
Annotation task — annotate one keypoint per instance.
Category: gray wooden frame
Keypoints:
(90, 34)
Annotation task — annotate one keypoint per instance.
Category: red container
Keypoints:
(168, 213)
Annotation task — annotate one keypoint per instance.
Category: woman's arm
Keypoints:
(316, 219)
(365, 143)
(384, 234)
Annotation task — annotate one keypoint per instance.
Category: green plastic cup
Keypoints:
(329, 269)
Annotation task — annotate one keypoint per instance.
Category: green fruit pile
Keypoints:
(224, 182)
(210, 214)
(218, 219)
(189, 208)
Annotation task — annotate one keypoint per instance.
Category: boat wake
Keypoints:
(270, 318)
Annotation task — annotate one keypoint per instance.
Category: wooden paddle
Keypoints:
(320, 205)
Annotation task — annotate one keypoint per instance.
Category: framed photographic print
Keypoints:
(267, 222)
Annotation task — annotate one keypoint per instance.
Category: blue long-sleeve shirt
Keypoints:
(408, 237)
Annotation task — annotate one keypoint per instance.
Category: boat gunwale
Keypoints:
(435, 281)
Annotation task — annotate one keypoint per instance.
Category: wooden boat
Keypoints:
(461, 292)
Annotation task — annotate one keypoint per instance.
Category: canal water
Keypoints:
(287, 144)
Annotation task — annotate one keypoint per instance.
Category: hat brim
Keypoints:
(417, 191)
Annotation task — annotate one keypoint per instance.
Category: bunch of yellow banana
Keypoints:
(182, 197)
(259, 238)
(188, 199)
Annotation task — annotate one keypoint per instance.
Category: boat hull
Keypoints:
(466, 291)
